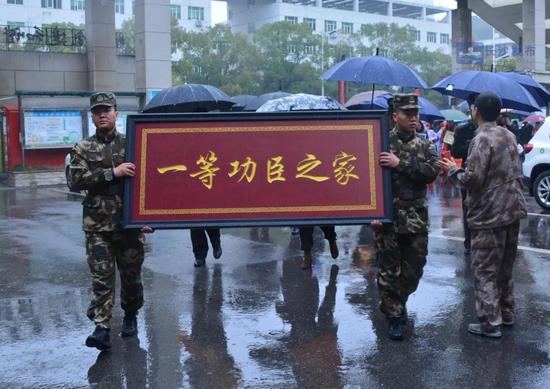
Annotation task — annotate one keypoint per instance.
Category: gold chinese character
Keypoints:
(275, 169)
(172, 168)
(207, 169)
(248, 168)
(343, 168)
(307, 165)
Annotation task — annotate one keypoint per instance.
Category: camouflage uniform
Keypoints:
(495, 205)
(403, 245)
(92, 163)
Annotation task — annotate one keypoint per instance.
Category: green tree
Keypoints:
(218, 57)
(290, 57)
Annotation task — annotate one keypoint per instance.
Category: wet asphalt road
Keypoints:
(253, 318)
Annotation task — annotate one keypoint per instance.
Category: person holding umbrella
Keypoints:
(403, 244)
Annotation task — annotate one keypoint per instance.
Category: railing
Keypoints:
(55, 39)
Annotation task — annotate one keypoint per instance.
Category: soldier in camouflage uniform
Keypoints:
(495, 203)
(97, 166)
(403, 245)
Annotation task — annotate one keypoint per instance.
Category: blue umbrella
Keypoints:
(464, 106)
(374, 70)
(428, 111)
(462, 84)
(538, 91)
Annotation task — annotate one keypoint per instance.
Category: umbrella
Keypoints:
(538, 91)
(534, 118)
(374, 70)
(464, 106)
(454, 115)
(361, 98)
(428, 111)
(301, 102)
(242, 102)
(462, 84)
(260, 100)
(189, 98)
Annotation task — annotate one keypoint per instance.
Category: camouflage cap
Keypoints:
(107, 99)
(405, 101)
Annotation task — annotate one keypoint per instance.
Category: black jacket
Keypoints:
(463, 136)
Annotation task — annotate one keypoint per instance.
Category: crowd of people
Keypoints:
(489, 177)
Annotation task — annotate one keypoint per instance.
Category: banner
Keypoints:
(251, 169)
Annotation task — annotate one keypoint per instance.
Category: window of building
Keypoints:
(195, 13)
(16, 24)
(347, 28)
(310, 49)
(20, 2)
(417, 35)
(51, 4)
(374, 7)
(330, 25)
(291, 49)
(444, 38)
(364, 29)
(119, 6)
(437, 15)
(77, 5)
(407, 11)
(291, 19)
(431, 37)
(175, 11)
(310, 22)
(196, 69)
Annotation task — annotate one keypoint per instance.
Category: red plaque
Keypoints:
(245, 169)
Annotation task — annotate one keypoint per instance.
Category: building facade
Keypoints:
(191, 14)
(432, 24)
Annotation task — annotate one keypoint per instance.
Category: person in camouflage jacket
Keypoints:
(403, 245)
(495, 203)
(97, 166)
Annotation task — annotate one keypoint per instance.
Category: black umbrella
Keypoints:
(189, 98)
(260, 100)
(242, 102)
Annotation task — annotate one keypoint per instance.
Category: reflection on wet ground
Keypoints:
(253, 318)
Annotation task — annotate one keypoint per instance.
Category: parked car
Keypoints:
(536, 167)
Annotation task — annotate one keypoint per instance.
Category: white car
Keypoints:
(536, 167)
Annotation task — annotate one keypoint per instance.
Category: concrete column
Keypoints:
(356, 5)
(318, 3)
(390, 8)
(100, 45)
(461, 33)
(534, 35)
(153, 46)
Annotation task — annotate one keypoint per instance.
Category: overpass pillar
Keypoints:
(461, 34)
(100, 44)
(153, 45)
(534, 36)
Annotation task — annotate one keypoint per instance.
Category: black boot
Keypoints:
(217, 252)
(199, 262)
(129, 325)
(100, 339)
(395, 331)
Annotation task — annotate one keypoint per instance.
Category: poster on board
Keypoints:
(52, 129)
